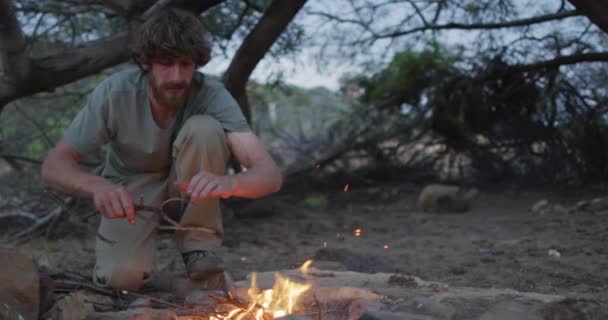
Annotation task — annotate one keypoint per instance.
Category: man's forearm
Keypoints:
(65, 175)
(257, 182)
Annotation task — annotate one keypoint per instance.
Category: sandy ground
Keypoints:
(500, 243)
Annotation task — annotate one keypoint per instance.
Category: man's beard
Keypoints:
(167, 97)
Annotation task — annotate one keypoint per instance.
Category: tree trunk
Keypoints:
(274, 21)
(22, 76)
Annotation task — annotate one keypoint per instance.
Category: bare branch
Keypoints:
(596, 11)
(496, 25)
(21, 76)
(154, 8)
(121, 7)
(13, 60)
(375, 35)
(564, 60)
(64, 67)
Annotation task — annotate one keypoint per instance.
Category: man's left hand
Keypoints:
(208, 185)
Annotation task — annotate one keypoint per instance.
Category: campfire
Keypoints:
(280, 301)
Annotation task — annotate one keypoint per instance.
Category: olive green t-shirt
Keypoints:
(118, 115)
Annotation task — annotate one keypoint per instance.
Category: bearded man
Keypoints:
(163, 123)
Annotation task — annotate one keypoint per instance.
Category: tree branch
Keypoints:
(274, 20)
(450, 26)
(14, 63)
(563, 60)
(478, 26)
(596, 11)
(30, 76)
(63, 67)
(121, 7)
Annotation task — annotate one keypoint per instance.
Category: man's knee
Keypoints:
(202, 128)
(123, 277)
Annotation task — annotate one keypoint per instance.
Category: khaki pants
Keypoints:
(125, 253)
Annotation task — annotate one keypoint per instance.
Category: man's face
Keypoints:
(170, 80)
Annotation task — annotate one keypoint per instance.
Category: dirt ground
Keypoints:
(500, 243)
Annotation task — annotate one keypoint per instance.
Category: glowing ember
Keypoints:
(357, 232)
(277, 302)
(346, 187)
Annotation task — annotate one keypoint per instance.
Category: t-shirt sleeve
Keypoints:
(89, 130)
(224, 108)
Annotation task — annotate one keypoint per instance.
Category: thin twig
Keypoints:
(39, 222)
(174, 225)
(314, 296)
(165, 303)
(114, 304)
(155, 7)
(89, 286)
(178, 228)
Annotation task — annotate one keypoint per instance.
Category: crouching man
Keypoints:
(163, 123)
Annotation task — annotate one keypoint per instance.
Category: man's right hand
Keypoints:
(114, 202)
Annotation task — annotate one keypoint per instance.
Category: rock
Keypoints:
(598, 204)
(19, 286)
(46, 293)
(360, 306)
(389, 315)
(141, 303)
(554, 253)
(593, 205)
(543, 206)
(5, 167)
(540, 206)
(354, 261)
(575, 309)
(427, 306)
(135, 314)
(329, 265)
(443, 198)
(509, 310)
(559, 209)
(200, 298)
(294, 317)
(74, 306)
(182, 286)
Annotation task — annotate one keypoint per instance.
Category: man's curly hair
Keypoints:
(167, 34)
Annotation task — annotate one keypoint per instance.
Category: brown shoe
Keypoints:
(202, 264)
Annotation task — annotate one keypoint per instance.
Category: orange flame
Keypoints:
(279, 301)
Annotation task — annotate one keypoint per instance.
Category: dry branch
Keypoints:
(38, 222)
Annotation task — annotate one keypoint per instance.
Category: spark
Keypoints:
(346, 187)
(386, 246)
(358, 232)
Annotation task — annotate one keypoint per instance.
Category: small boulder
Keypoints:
(19, 286)
(443, 198)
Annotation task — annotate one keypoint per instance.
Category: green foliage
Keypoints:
(315, 201)
(46, 247)
(410, 72)
(539, 124)
(30, 126)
